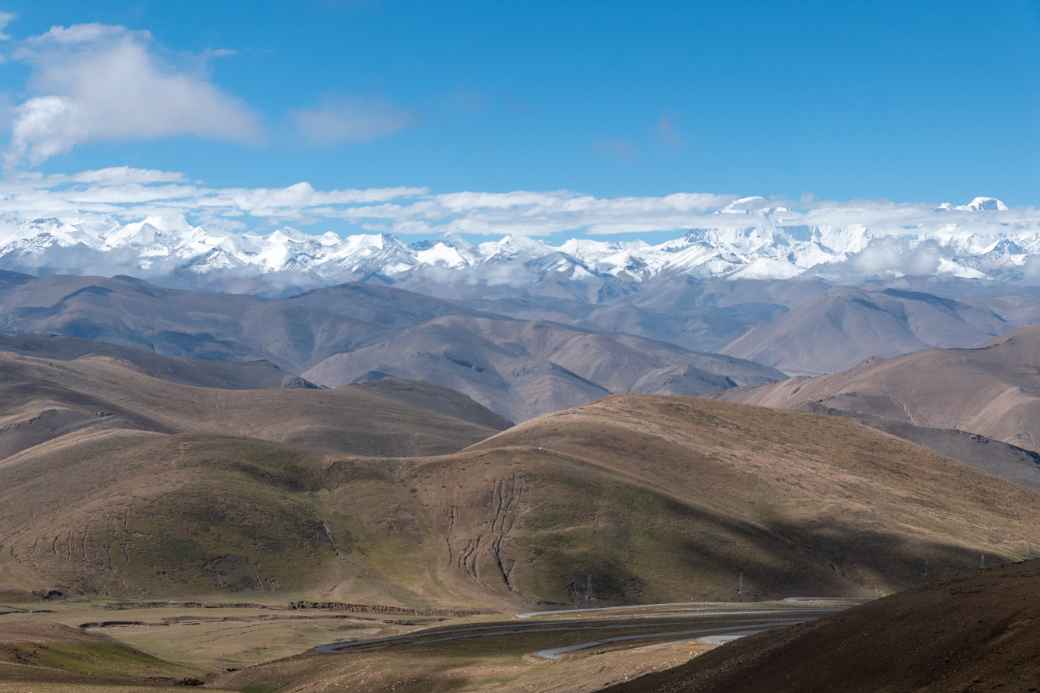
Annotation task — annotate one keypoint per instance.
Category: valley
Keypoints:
(404, 517)
(362, 346)
(192, 495)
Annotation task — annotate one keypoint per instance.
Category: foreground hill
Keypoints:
(42, 400)
(993, 390)
(630, 499)
(53, 657)
(844, 326)
(971, 634)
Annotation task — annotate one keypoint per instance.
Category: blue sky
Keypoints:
(924, 101)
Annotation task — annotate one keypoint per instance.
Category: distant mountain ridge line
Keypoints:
(749, 241)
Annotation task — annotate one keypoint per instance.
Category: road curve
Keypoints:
(700, 623)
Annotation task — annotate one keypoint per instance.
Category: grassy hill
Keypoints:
(972, 634)
(993, 390)
(43, 399)
(631, 499)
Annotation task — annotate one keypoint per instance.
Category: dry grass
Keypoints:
(504, 664)
(629, 500)
(973, 634)
(993, 391)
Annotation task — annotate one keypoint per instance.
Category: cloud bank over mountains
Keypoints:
(161, 223)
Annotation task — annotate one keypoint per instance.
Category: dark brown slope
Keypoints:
(972, 634)
(993, 391)
(43, 399)
(522, 369)
(845, 326)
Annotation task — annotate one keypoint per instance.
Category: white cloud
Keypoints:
(337, 121)
(898, 256)
(5, 20)
(121, 175)
(1031, 269)
(94, 82)
(130, 194)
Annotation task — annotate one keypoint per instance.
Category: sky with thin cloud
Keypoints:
(525, 118)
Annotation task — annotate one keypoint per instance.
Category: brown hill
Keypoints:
(631, 499)
(44, 399)
(845, 326)
(971, 634)
(199, 372)
(49, 656)
(427, 396)
(293, 333)
(518, 368)
(522, 369)
(993, 390)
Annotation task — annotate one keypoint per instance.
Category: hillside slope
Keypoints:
(993, 390)
(845, 326)
(972, 634)
(630, 499)
(293, 332)
(521, 369)
(44, 399)
(199, 372)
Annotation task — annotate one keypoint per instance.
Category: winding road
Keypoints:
(699, 622)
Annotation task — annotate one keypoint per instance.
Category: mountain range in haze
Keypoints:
(527, 353)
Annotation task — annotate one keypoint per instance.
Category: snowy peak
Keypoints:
(983, 204)
(746, 239)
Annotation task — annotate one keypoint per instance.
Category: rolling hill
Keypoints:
(45, 399)
(198, 372)
(844, 326)
(521, 369)
(970, 634)
(339, 334)
(293, 332)
(631, 499)
(992, 391)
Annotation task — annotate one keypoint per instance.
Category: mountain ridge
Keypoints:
(747, 242)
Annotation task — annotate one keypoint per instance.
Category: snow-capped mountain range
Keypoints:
(755, 242)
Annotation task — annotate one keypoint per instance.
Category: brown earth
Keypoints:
(42, 400)
(993, 391)
(843, 326)
(972, 634)
(633, 499)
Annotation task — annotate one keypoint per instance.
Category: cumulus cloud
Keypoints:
(337, 121)
(898, 256)
(94, 82)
